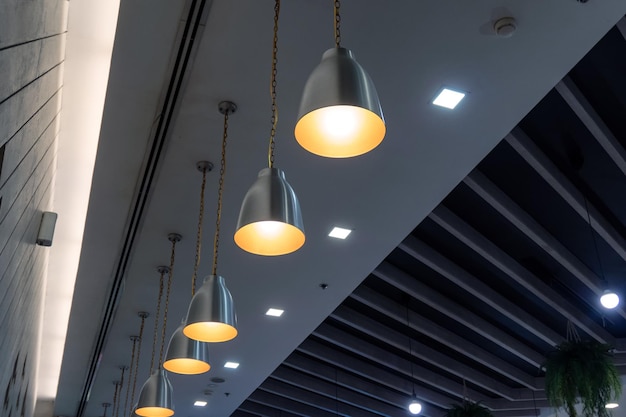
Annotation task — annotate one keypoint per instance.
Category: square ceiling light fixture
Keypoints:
(200, 403)
(448, 98)
(231, 365)
(339, 233)
(274, 312)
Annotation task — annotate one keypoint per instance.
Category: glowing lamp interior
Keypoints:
(210, 332)
(154, 412)
(340, 131)
(269, 238)
(186, 366)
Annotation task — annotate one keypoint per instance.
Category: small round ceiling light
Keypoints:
(609, 299)
(505, 27)
(415, 407)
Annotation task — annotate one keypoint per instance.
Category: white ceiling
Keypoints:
(411, 49)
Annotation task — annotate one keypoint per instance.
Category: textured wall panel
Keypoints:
(32, 47)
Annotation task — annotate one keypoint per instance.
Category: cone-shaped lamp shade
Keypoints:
(155, 399)
(340, 114)
(211, 315)
(186, 356)
(270, 220)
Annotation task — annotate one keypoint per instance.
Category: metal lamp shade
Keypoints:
(340, 114)
(186, 356)
(155, 399)
(270, 221)
(211, 316)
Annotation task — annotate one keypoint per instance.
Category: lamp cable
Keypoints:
(595, 243)
(220, 193)
(196, 265)
(131, 367)
(162, 270)
(337, 20)
(274, 119)
(143, 316)
(173, 238)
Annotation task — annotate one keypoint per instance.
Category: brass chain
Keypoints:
(118, 388)
(196, 265)
(167, 298)
(337, 24)
(132, 397)
(132, 363)
(156, 321)
(273, 85)
(220, 192)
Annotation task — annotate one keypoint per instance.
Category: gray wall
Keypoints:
(32, 38)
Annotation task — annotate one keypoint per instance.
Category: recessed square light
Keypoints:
(274, 312)
(339, 233)
(231, 365)
(200, 403)
(448, 98)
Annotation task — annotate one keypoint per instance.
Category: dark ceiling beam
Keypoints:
(412, 286)
(504, 405)
(592, 121)
(296, 374)
(516, 413)
(254, 409)
(291, 406)
(379, 390)
(365, 369)
(504, 205)
(505, 263)
(534, 157)
(300, 387)
(423, 325)
(318, 401)
(621, 26)
(384, 358)
(400, 341)
(457, 275)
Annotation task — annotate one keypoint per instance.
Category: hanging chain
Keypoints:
(162, 271)
(196, 265)
(132, 397)
(117, 386)
(572, 333)
(273, 86)
(220, 192)
(132, 363)
(337, 24)
(105, 406)
(595, 244)
(173, 238)
(118, 390)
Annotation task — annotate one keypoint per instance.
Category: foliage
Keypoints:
(468, 409)
(582, 371)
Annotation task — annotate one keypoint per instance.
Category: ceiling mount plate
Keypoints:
(203, 166)
(227, 107)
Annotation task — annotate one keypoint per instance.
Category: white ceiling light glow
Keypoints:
(339, 233)
(611, 405)
(448, 98)
(274, 312)
(609, 299)
(231, 365)
(415, 407)
(200, 403)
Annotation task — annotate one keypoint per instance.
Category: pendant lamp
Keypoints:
(155, 399)
(211, 315)
(340, 114)
(184, 355)
(270, 221)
